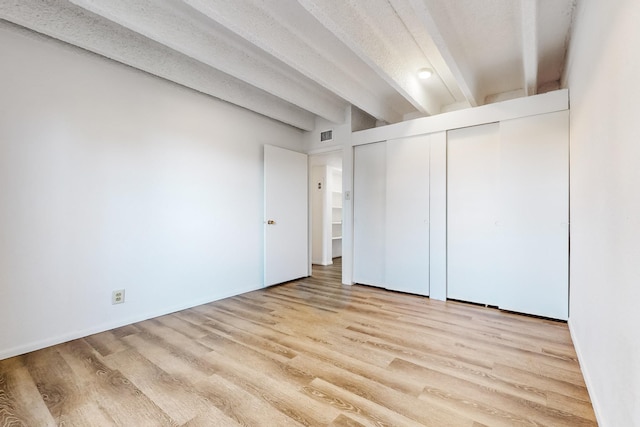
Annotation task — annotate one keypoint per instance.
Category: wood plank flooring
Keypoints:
(310, 352)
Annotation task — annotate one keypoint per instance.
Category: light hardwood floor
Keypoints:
(309, 352)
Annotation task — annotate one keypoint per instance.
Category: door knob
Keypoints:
(271, 222)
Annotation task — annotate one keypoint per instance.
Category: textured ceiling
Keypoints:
(295, 60)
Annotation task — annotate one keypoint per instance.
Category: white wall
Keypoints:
(604, 64)
(110, 179)
(341, 135)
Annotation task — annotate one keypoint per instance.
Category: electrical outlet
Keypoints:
(117, 297)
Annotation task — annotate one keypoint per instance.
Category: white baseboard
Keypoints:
(586, 376)
(38, 345)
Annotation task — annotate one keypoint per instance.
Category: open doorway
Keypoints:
(326, 202)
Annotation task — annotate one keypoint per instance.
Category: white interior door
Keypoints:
(286, 215)
(369, 214)
(407, 215)
(473, 209)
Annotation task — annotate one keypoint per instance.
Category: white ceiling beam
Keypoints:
(529, 9)
(447, 47)
(163, 22)
(64, 21)
(264, 29)
(357, 25)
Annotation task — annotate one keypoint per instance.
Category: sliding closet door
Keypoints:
(391, 214)
(508, 215)
(473, 205)
(407, 215)
(535, 235)
(369, 214)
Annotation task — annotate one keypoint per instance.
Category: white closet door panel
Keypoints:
(473, 200)
(369, 217)
(534, 234)
(407, 215)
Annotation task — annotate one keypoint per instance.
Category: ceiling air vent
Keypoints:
(327, 135)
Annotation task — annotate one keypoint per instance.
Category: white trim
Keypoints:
(515, 108)
(586, 376)
(438, 217)
(323, 150)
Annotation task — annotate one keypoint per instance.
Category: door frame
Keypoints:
(331, 152)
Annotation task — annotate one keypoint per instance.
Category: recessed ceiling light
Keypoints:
(425, 73)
